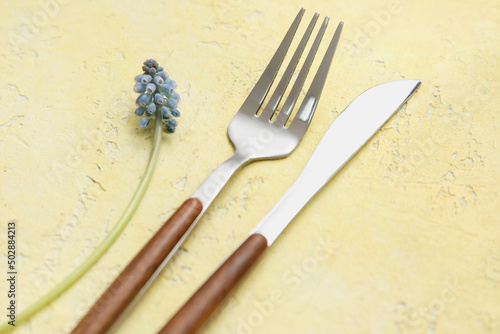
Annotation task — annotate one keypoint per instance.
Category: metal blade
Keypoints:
(347, 134)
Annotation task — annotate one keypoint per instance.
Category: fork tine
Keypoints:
(259, 91)
(294, 93)
(285, 79)
(308, 106)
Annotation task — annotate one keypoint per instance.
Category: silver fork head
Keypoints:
(258, 136)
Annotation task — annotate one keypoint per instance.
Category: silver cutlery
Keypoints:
(347, 134)
(255, 137)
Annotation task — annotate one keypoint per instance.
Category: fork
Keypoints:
(255, 137)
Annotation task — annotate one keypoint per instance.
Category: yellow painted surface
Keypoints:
(412, 222)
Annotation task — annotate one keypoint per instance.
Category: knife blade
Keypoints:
(364, 116)
(348, 133)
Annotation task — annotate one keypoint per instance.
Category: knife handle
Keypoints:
(132, 279)
(211, 294)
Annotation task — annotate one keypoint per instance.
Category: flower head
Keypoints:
(157, 95)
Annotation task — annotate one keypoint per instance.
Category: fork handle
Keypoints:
(212, 293)
(132, 279)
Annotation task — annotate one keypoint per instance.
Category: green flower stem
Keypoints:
(105, 244)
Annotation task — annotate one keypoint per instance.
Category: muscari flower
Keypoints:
(157, 95)
(148, 85)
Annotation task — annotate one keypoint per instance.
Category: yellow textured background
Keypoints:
(414, 214)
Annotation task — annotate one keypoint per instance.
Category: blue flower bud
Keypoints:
(146, 79)
(172, 83)
(175, 96)
(176, 113)
(159, 99)
(140, 111)
(172, 122)
(150, 88)
(165, 112)
(168, 89)
(163, 74)
(144, 122)
(139, 87)
(151, 109)
(170, 128)
(172, 103)
(143, 100)
(158, 80)
(139, 78)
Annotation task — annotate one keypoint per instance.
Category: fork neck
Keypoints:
(213, 184)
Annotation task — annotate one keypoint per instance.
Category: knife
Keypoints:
(347, 134)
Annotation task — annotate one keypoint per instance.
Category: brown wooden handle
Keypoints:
(205, 301)
(127, 285)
